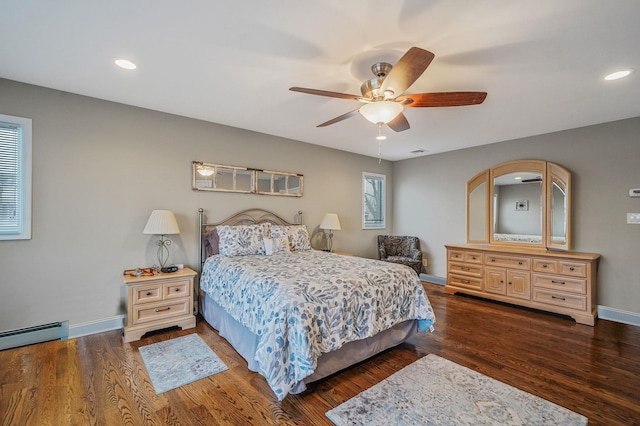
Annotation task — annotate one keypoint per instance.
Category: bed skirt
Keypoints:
(245, 343)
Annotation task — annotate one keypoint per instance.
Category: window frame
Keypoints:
(382, 199)
(25, 173)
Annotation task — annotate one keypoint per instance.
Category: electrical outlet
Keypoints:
(424, 262)
(633, 218)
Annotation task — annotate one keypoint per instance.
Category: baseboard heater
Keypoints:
(31, 335)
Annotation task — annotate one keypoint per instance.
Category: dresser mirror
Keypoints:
(523, 202)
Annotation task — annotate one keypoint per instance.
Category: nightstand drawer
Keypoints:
(147, 294)
(146, 313)
(176, 289)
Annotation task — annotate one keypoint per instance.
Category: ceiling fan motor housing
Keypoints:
(370, 89)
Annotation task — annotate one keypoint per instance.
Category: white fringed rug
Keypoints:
(176, 362)
(435, 391)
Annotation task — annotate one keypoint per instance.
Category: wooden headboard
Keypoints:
(244, 217)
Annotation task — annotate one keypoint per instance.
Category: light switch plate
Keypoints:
(633, 218)
(634, 192)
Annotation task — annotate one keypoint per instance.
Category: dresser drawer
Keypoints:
(466, 256)
(560, 299)
(545, 265)
(463, 281)
(466, 269)
(515, 262)
(575, 269)
(147, 313)
(147, 294)
(561, 283)
(176, 289)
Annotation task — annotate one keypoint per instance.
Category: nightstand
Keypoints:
(159, 301)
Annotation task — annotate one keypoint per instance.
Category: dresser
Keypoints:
(553, 281)
(159, 301)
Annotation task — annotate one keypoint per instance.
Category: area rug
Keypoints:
(435, 391)
(176, 362)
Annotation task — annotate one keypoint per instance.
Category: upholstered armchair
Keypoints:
(400, 249)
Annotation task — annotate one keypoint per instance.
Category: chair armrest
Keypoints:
(416, 254)
(382, 252)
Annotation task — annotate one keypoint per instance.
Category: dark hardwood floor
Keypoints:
(97, 379)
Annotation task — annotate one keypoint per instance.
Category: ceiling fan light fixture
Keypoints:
(381, 111)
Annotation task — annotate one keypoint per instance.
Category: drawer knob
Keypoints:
(149, 293)
(164, 309)
(559, 298)
(520, 263)
(464, 281)
(558, 282)
(572, 268)
(493, 259)
(177, 289)
(544, 265)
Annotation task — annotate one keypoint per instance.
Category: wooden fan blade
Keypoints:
(399, 123)
(408, 69)
(325, 93)
(442, 99)
(339, 118)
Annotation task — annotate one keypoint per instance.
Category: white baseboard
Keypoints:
(433, 279)
(97, 326)
(116, 322)
(618, 315)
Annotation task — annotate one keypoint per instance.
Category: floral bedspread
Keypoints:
(304, 304)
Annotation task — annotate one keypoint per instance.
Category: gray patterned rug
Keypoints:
(435, 391)
(176, 362)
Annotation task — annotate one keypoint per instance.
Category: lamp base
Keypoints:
(163, 250)
(330, 242)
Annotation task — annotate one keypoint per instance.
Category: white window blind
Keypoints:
(15, 178)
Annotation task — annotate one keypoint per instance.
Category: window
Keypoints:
(373, 200)
(15, 178)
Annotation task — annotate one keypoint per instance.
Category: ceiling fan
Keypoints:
(383, 96)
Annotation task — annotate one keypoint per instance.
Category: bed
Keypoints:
(297, 314)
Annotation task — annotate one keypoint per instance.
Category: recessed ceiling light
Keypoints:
(127, 65)
(618, 74)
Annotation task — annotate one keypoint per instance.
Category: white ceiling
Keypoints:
(542, 62)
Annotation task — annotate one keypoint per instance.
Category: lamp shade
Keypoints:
(161, 222)
(330, 221)
(381, 111)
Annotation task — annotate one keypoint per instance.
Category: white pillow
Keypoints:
(297, 234)
(242, 240)
(276, 245)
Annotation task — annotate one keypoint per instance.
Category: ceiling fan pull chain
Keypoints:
(380, 138)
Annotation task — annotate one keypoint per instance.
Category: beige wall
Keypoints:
(429, 198)
(99, 168)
